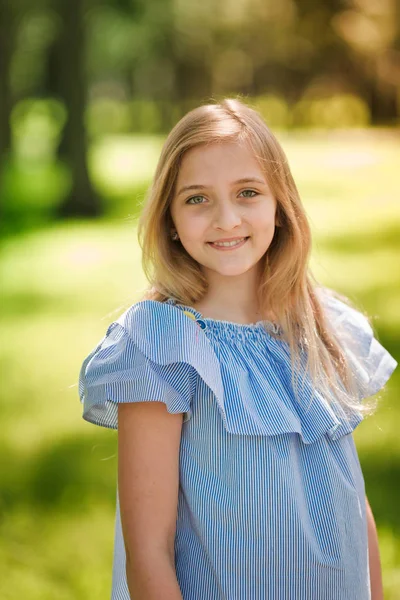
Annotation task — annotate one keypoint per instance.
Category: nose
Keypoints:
(226, 216)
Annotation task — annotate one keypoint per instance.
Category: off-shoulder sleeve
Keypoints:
(118, 371)
(371, 363)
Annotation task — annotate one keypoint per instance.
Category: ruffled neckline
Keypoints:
(252, 384)
(230, 329)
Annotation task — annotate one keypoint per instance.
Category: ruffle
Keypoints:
(155, 352)
(117, 371)
(371, 363)
(150, 353)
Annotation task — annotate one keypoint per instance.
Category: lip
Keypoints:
(238, 237)
(229, 248)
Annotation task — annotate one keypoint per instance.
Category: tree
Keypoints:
(6, 49)
(67, 63)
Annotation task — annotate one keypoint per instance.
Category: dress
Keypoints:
(271, 502)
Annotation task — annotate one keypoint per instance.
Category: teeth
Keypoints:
(227, 244)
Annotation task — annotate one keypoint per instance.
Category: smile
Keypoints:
(228, 245)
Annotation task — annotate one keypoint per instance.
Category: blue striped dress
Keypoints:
(271, 502)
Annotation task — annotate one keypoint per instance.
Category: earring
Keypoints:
(175, 236)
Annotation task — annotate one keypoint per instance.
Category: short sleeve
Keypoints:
(117, 371)
(371, 363)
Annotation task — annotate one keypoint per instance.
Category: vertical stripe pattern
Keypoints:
(271, 502)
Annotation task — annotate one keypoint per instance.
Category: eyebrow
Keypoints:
(195, 186)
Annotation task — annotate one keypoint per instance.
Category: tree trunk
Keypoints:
(70, 52)
(382, 101)
(6, 45)
(7, 35)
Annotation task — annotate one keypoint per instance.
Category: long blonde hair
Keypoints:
(288, 289)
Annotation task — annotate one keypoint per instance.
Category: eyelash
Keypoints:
(198, 196)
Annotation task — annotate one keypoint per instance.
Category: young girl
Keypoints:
(235, 385)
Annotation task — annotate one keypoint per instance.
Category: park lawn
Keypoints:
(63, 285)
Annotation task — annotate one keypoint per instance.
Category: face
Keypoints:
(221, 194)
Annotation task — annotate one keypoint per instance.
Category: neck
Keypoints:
(232, 299)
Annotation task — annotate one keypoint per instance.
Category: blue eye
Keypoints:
(246, 192)
(194, 198)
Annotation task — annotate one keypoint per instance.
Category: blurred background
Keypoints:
(88, 91)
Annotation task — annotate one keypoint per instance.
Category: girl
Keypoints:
(235, 385)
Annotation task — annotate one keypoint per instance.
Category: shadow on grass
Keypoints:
(382, 484)
(28, 303)
(71, 474)
(25, 211)
(360, 242)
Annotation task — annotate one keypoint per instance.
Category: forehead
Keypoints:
(217, 159)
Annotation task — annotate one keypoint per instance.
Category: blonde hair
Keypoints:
(288, 289)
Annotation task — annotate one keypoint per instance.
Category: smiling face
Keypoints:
(221, 194)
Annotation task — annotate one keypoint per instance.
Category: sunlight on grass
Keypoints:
(377, 273)
(119, 163)
(106, 257)
(390, 552)
(63, 564)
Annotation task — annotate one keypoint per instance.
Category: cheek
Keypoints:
(192, 229)
(264, 222)
(262, 215)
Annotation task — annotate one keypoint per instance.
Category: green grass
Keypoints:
(61, 286)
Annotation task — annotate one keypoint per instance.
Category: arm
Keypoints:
(148, 481)
(374, 560)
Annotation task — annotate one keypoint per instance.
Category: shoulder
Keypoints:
(138, 360)
(163, 332)
(346, 319)
(370, 361)
(150, 313)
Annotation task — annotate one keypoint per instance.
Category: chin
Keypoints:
(233, 271)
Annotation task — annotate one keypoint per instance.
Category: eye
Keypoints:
(248, 193)
(194, 198)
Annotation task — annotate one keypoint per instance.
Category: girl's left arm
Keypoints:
(374, 559)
